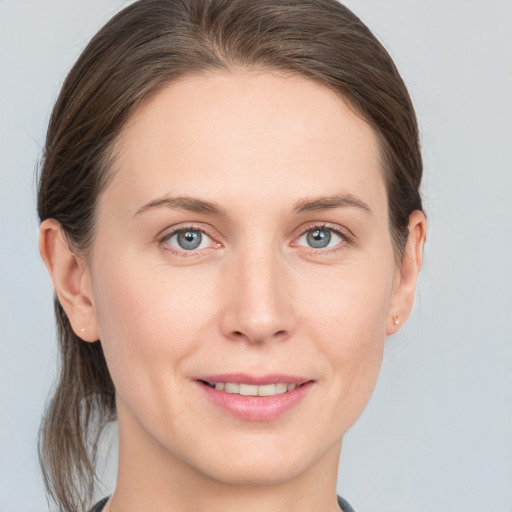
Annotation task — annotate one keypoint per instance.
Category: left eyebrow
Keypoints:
(330, 203)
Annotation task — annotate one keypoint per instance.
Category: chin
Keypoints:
(268, 474)
(263, 464)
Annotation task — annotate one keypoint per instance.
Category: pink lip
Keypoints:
(255, 408)
(252, 379)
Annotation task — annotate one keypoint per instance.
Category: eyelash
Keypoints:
(345, 240)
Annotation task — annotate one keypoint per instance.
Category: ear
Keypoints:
(407, 273)
(71, 279)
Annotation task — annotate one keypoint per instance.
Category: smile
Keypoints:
(253, 398)
(253, 389)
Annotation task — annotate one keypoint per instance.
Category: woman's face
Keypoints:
(244, 243)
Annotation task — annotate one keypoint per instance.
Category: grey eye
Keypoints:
(189, 239)
(318, 238)
(321, 237)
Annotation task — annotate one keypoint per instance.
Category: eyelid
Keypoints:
(309, 226)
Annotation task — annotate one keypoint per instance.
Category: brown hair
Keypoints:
(144, 47)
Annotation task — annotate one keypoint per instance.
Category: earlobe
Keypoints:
(410, 266)
(71, 279)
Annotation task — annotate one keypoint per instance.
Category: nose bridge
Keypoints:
(259, 307)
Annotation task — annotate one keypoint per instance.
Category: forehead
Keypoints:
(246, 134)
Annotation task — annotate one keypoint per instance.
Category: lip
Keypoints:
(243, 378)
(255, 408)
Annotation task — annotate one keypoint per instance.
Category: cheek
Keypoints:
(351, 303)
(149, 321)
(347, 314)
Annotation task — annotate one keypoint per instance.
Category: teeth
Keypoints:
(267, 390)
(281, 388)
(231, 387)
(248, 389)
(254, 390)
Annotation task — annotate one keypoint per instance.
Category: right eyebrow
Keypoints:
(190, 204)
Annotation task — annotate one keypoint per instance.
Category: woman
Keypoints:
(230, 213)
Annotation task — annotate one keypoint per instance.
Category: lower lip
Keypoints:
(256, 408)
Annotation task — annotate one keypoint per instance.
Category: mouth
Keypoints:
(252, 398)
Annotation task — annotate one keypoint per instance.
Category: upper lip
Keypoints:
(258, 380)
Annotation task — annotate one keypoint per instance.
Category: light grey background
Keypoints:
(437, 435)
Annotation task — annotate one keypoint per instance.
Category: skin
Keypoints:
(254, 298)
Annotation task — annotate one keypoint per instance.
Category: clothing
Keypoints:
(344, 505)
(99, 506)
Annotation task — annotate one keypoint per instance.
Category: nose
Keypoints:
(258, 299)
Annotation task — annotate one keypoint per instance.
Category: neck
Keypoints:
(151, 478)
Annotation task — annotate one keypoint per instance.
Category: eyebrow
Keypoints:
(330, 203)
(195, 205)
(189, 204)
